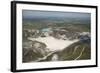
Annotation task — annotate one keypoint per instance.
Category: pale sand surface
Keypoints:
(54, 44)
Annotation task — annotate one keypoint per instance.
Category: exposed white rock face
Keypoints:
(55, 57)
(85, 33)
(37, 45)
(54, 44)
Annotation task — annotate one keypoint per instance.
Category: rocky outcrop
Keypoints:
(33, 50)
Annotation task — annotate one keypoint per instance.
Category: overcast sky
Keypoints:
(37, 14)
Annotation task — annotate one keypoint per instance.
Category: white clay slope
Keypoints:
(54, 44)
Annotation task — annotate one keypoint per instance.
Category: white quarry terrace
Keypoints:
(54, 44)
